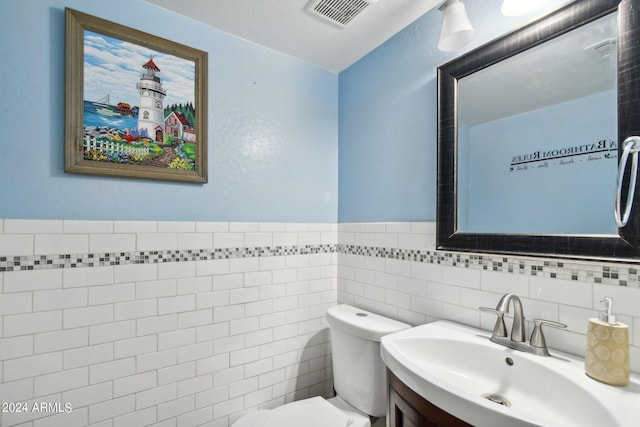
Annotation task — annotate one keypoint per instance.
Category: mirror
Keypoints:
(521, 143)
(528, 131)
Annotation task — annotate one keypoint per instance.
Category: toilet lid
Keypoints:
(313, 412)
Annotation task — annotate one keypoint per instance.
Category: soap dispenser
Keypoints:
(607, 355)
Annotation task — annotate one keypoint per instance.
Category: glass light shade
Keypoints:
(519, 7)
(456, 28)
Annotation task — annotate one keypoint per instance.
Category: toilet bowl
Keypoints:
(359, 377)
(312, 412)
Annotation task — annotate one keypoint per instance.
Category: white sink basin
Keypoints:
(456, 368)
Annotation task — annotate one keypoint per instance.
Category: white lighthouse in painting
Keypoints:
(151, 113)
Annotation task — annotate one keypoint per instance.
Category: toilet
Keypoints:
(359, 377)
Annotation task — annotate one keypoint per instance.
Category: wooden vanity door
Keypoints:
(409, 409)
(401, 414)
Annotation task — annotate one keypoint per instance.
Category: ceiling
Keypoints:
(290, 27)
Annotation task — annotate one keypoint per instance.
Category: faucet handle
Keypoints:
(499, 329)
(537, 337)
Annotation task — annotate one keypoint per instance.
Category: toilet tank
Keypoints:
(359, 374)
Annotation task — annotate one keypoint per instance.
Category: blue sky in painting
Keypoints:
(113, 67)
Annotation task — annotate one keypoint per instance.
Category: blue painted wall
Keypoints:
(274, 124)
(388, 117)
(273, 127)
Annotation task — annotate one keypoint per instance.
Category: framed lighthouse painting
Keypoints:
(136, 104)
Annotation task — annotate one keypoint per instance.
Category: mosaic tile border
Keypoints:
(582, 271)
(42, 262)
(588, 272)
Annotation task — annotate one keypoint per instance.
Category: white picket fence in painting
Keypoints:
(114, 147)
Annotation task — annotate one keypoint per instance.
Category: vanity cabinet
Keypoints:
(409, 409)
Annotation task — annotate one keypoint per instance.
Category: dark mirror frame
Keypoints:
(569, 17)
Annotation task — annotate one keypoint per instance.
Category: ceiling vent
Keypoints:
(339, 12)
(603, 50)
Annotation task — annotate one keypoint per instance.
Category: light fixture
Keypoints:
(519, 7)
(456, 28)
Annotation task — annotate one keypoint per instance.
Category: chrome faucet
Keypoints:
(537, 343)
(517, 330)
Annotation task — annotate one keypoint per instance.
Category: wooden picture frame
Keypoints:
(150, 123)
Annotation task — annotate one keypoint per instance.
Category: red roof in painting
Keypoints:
(180, 118)
(150, 64)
